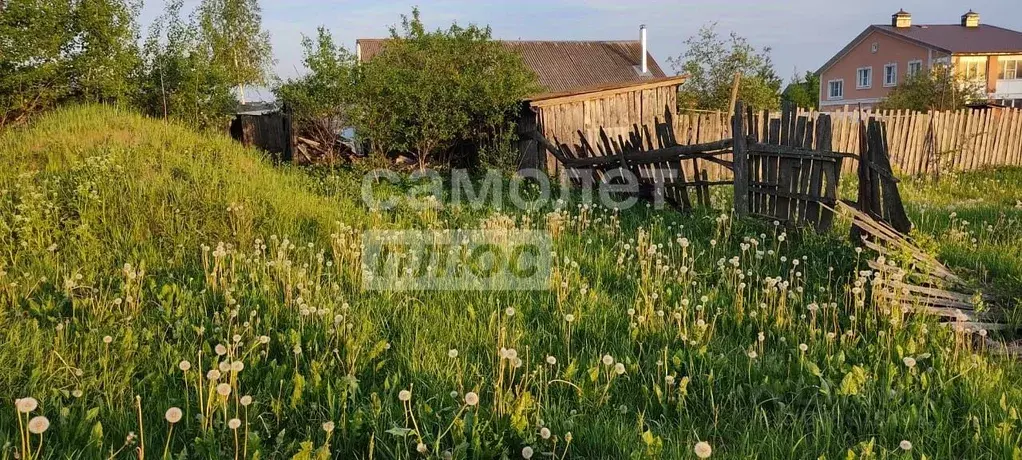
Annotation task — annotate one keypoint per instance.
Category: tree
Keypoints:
(103, 50)
(711, 63)
(317, 98)
(65, 50)
(237, 44)
(426, 91)
(803, 91)
(939, 88)
(178, 77)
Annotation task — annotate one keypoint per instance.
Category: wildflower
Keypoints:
(567, 436)
(905, 445)
(703, 449)
(264, 339)
(220, 350)
(452, 353)
(471, 398)
(38, 425)
(544, 433)
(803, 347)
(753, 354)
(225, 367)
(404, 395)
(909, 361)
(26, 405)
(569, 317)
(328, 426)
(173, 415)
(233, 423)
(213, 374)
(510, 311)
(551, 360)
(76, 393)
(608, 360)
(107, 339)
(237, 366)
(184, 366)
(526, 452)
(223, 389)
(246, 400)
(421, 448)
(619, 368)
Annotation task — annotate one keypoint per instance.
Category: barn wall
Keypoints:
(578, 123)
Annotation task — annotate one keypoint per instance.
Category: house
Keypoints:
(883, 56)
(587, 85)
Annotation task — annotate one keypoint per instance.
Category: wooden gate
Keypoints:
(789, 173)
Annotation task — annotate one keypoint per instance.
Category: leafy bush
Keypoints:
(427, 91)
(940, 88)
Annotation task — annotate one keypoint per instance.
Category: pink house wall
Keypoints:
(890, 50)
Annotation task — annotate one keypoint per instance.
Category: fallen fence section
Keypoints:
(784, 169)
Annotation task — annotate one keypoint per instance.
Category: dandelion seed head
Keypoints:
(246, 400)
(905, 445)
(328, 426)
(184, 365)
(404, 395)
(223, 389)
(526, 452)
(26, 405)
(703, 450)
(173, 415)
(452, 353)
(38, 425)
(544, 433)
(234, 423)
(471, 398)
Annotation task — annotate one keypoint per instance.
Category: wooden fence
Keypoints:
(918, 143)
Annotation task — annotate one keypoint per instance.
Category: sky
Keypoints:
(802, 34)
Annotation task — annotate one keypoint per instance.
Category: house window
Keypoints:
(891, 75)
(1010, 69)
(915, 68)
(974, 70)
(836, 89)
(864, 79)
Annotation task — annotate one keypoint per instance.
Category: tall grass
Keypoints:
(144, 267)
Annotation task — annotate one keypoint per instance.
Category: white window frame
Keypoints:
(894, 74)
(830, 93)
(909, 71)
(1002, 68)
(858, 78)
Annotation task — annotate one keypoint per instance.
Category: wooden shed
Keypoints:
(265, 126)
(595, 116)
(587, 85)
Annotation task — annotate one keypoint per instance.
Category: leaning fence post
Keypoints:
(741, 161)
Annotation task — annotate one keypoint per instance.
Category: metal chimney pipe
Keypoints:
(642, 39)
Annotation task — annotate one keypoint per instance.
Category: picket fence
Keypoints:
(918, 143)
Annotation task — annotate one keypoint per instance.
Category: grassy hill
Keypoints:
(145, 267)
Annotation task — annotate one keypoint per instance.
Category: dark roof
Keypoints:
(949, 38)
(567, 66)
(955, 38)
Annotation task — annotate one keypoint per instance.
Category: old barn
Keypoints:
(588, 85)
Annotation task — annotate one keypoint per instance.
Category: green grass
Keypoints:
(973, 222)
(234, 250)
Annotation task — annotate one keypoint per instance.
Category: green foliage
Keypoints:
(179, 78)
(427, 91)
(803, 91)
(65, 50)
(711, 63)
(938, 89)
(232, 31)
(318, 98)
